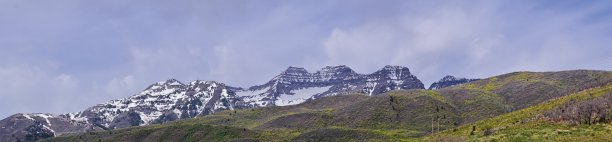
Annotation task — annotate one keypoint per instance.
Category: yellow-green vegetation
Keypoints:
(435, 94)
(349, 134)
(508, 107)
(524, 125)
(410, 110)
(501, 94)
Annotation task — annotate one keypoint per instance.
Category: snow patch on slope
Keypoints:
(253, 97)
(369, 88)
(27, 116)
(300, 95)
(46, 116)
(147, 118)
(46, 127)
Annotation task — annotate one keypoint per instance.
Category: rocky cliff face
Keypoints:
(171, 100)
(448, 81)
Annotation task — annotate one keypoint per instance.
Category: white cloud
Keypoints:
(65, 80)
(30, 88)
(471, 40)
(121, 87)
(364, 47)
(153, 63)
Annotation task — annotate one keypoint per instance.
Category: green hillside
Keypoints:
(509, 92)
(505, 107)
(536, 124)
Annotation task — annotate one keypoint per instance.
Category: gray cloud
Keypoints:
(62, 56)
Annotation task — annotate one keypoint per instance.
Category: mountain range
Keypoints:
(171, 100)
(518, 106)
(337, 104)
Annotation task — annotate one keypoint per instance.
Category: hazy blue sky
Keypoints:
(62, 56)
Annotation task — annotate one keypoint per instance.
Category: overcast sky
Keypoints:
(62, 56)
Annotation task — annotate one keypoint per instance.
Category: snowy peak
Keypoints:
(392, 68)
(296, 85)
(299, 75)
(341, 72)
(294, 71)
(169, 82)
(393, 72)
(391, 78)
(341, 69)
(448, 81)
(163, 101)
(203, 82)
(170, 100)
(293, 74)
(166, 84)
(161, 88)
(200, 85)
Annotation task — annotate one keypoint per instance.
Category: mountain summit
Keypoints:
(296, 85)
(171, 100)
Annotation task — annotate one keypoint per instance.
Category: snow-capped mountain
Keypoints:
(30, 127)
(171, 100)
(448, 81)
(296, 85)
(161, 102)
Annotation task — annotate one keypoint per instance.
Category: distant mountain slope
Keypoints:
(401, 115)
(172, 100)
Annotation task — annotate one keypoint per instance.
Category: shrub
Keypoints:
(592, 111)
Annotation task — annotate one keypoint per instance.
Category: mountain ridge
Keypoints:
(170, 99)
(406, 115)
(330, 80)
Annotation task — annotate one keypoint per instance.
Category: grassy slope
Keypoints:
(395, 116)
(524, 125)
(193, 132)
(509, 92)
